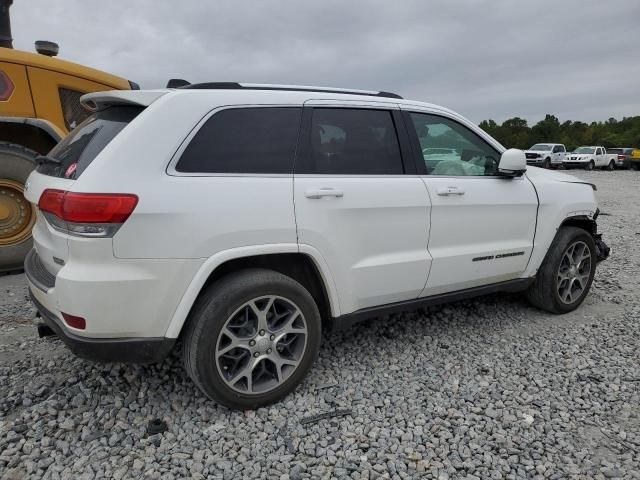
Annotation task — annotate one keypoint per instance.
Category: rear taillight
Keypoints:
(622, 157)
(87, 214)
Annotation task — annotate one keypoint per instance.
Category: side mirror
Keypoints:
(513, 163)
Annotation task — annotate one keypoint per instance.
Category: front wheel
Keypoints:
(566, 274)
(590, 166)
(17, 215)
(251, 338)
(547, 163)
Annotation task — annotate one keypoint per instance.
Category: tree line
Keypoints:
(515, 133)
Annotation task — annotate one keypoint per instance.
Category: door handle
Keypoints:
(446, 191)
(315, 193)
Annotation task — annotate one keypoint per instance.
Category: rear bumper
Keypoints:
(122, 350)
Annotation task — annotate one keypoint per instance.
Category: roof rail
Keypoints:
(290, 88)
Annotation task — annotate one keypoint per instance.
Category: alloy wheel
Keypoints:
(574, 272)
(261, 344)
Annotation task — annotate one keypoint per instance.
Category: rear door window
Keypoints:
(77, 150)
(253, 140)
(349, 141)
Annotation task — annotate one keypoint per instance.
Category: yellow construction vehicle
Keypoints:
(39, 104)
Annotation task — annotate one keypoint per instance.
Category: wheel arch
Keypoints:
(307, 268)
(34, 133)
(582, 221)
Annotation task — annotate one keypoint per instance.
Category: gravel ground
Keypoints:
(490, 388)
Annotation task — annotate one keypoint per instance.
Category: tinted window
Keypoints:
(244, 140)
(449, 148)
(74, 113)
(345, 141)
(78, 149)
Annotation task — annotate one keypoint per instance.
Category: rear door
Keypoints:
(558, 154)
(600, 158)
(482, 225)
(359, 204)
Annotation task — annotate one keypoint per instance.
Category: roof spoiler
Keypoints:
(100, 100)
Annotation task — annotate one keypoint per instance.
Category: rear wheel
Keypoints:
(566, 274)
(17, 215)
(251, 338)
(611, 166)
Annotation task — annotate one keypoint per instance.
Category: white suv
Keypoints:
(241, 219)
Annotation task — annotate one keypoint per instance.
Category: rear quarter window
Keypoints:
(251, 140)
(76, 151)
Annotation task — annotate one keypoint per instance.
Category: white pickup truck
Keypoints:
(590, 158)
(547, 155)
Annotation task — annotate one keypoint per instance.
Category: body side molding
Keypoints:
(345, 321)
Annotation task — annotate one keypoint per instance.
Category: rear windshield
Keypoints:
(76, 151)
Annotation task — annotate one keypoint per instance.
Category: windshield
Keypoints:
(541, 147)
(78, 149)
(585, 150)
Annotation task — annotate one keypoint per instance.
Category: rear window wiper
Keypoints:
(41, 159)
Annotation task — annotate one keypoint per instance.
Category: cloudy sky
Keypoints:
(577, 59)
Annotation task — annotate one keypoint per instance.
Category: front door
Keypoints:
(356, 206)
(482, 225)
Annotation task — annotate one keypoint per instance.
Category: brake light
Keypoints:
(622, 157)
(75, 322)
(87, 214)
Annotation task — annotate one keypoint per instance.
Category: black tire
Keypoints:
(611, 166)
(16, 163)
(210, 314)
(590, 166)
(543, 293)
(547, 163)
